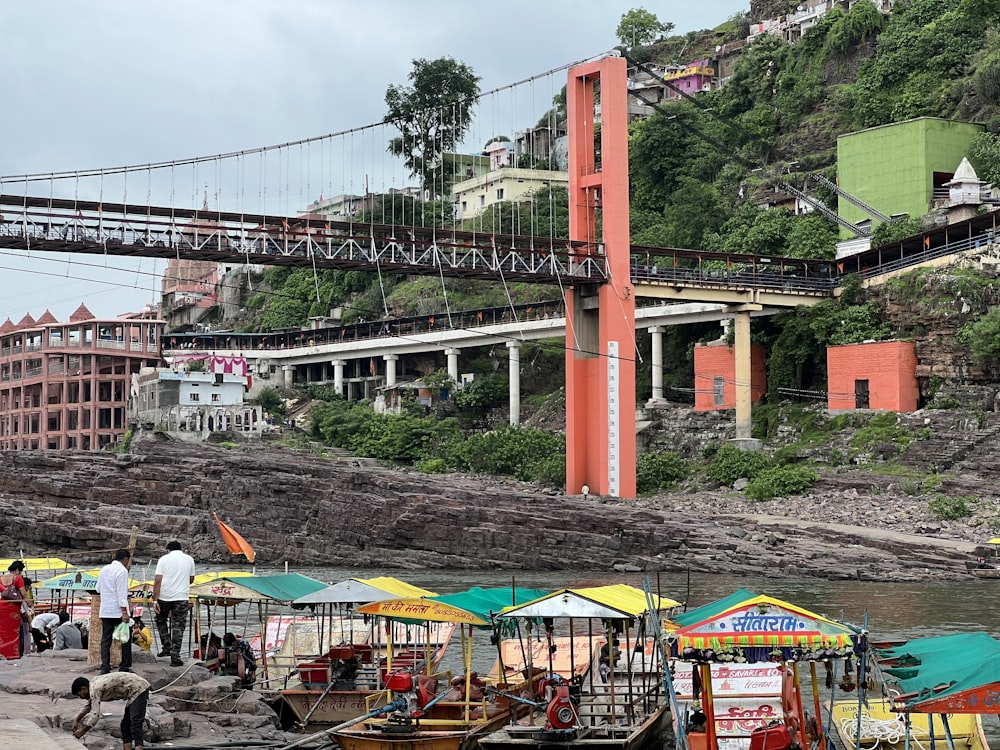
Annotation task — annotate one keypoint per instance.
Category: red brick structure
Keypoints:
(880, 375)
(715, 376)
(67, 385)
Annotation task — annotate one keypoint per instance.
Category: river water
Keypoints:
(913, 610)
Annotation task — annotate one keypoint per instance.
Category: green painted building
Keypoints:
(895, 168)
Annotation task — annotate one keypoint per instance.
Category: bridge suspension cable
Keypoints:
(242, 153)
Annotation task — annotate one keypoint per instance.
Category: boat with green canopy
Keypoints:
(762, 641)
(435, 710)
(936, 690)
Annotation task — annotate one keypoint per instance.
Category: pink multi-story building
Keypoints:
(67, 385)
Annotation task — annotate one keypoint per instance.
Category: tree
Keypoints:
(640, 28)
(983, 336)
(432, 115)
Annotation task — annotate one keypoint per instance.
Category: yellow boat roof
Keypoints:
(614, 601)
(626, 598)
(208, 577)
(37, 563)
(399, 589)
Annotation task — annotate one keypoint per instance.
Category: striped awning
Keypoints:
(765, 622)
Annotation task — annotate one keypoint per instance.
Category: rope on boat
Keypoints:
(876, 731)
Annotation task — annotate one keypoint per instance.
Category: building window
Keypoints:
(465, 206)
(718, 390)
(500, 194)
(482, 200)
(216, 398)
(194, 397)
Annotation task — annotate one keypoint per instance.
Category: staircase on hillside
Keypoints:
(949, 445)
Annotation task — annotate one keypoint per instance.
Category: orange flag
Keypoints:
(234, 542)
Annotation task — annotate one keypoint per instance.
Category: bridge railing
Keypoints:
(67, 225)
(783, 280)
(977, 242)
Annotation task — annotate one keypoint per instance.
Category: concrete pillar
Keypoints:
(390, 368)
(452, 355)
(514, 366)
(656, 332)
(741, 331)
(338, 375)
(289, 373)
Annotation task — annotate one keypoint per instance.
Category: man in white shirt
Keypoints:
(171, 589)
(112, 585)
(41, 630)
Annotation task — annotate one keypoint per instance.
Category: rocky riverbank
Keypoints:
(308, 510)
(189, 706)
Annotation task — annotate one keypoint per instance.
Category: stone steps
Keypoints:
(949, 447)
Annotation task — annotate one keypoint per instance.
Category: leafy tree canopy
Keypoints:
(432, 114)
(640, 28)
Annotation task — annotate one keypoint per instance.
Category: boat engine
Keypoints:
(404, 691)
(560, 713)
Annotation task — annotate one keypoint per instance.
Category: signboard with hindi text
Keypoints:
(744, 697)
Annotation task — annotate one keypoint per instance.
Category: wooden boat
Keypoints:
(885, 729)
(415, 718)
(739, 672)
(433, 711)
(332, 688)
(616, 700)
(986, 567)
(988, 572)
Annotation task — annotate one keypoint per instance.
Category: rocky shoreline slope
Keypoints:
(314, 511)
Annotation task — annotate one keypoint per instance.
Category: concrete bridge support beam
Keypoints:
(390, 368)
(656, 332)
(600, 318)
(338, 375)
(514, 366)
(741, 334)
(288, 371)
(452, 355)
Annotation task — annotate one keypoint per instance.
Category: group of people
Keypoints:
(174, 575)
(171, 590)
(172, 581)
(55, 630)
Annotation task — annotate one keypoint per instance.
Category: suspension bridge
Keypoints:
(598, 273)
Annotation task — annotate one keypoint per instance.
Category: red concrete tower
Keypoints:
(600, 317)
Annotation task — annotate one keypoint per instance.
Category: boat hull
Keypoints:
(335, 707)
(988, 573)
(883, 727)
(419, 738)
(645, 734)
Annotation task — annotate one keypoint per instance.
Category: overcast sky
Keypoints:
(118, 82)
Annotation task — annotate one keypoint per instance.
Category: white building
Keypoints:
(193, 405)
(472, 197)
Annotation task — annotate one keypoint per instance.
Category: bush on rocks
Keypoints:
(730, 463)
(951, 508)
(656, 471)
(780, 481)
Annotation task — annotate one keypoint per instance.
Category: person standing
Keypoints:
(131, 688)
(14, 587)
(171, 589)
(67, 635)
(112, 585)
